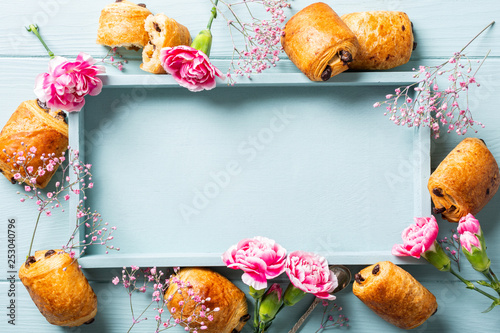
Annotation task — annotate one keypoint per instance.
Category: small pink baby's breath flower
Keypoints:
(17, 176)
(27, 188)
(116, 280)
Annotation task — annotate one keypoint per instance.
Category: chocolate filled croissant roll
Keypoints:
(58, 288)
(231, 301)
(163, 32)
(385, 39)
(121, 24)
(394, 295)
(464, 181)
(318, 42)
(32, 125)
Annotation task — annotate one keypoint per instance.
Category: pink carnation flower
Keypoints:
(468, 223)
(190, 67)
(468, 239)
(417, 238)
(67, 82)
(260, 258)
(309, 272)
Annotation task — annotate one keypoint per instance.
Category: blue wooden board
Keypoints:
(290, 181)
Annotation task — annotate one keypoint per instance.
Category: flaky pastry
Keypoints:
(464, 181)
(231, 301)
(318, 42)
(33, 125)
(121, 24)
(394, 295)
(58, 288)
(385, 39)
(163, 32)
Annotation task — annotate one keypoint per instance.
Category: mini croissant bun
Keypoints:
(58, 288)
(35, 126)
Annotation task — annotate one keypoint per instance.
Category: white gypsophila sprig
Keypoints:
(140, 280)
(424, 103)
(99, 232)
(261, 45)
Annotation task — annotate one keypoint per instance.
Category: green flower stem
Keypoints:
(256, 320)
(494, 276)
(494, 282)
(470, 285)
(34, 232)
(34, 29)
(213, 16)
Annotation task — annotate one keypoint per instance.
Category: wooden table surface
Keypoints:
(441, 28)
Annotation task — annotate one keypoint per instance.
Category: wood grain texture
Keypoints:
(70, 27)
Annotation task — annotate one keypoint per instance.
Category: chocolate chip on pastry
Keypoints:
(37, 127)
(318, 42)
(385, 39)
(163, 32)
(394, 295)
(121, 24)
(58, 288)
(231, 301)
(464, 181)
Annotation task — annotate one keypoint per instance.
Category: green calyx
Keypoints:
(256, 293)
(437, 257)
(478, 258)
(292, 295)
(270, 305)
(203, 42)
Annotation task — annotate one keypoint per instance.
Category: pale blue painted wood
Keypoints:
(72, 29)
(228, 167)
(267, 79)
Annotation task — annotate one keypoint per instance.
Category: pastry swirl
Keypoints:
(163, 32)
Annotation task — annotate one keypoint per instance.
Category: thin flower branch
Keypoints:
(137, 280)
(97, 231)
(424, 103)
(261, 38)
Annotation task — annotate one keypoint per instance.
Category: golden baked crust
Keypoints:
(394, 295)
(64, 297)
(231, 301)
(464, 181)
(121, 24)
(385, 39)
(163, 32)
(315, 39)
(43, 129)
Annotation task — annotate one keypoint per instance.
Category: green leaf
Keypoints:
(484, 283)
(495, 303)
